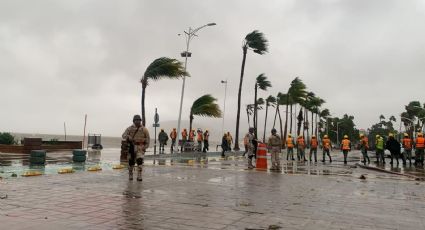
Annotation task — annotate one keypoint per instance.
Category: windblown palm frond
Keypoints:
(262, 82)
(164, 67)
(205, 106)
(257, 42)
(270, 101)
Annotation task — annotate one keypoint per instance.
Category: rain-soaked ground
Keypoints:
(14, 165)
(194, 191)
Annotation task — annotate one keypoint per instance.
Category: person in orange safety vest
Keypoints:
(346, 147)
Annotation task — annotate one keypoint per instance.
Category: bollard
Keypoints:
(261, 162)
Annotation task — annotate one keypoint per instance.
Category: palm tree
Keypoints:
(161, 68)
(297, 93)
(204, 106)
(381, 117)
(270, 101)
(258, 43)
(314, 104)
(260, 83)
(324, 114)
(250, 109)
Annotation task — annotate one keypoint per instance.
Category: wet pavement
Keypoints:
(199, 192)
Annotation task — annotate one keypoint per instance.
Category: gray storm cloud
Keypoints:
(60, 60)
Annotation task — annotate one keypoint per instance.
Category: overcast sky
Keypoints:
(60, 60)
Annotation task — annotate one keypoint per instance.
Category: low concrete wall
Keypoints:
(26, 148)
(11, 148)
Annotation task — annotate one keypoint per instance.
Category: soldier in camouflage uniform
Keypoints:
(275, 144)
(251, 138)
(138, 135)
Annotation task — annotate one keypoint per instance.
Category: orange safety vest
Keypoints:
(300, 142)
(199, 137)
(289, 142)
(184, 135)
(407, 143)
(314, 143)
(345, 144)
(420, 143)
(326, 143)
(365, 142)
(191, 135)
(173, 135)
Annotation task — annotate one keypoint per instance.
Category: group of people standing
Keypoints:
(202, 139)
(274, 144)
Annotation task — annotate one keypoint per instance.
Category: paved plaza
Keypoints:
(218, 194)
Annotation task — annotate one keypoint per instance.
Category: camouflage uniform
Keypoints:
(250, 137)
(275, 145)
(140, 139)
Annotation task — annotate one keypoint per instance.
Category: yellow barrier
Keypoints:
(32, 173)
(118, 166)
(66, 170)
(94, 168)
(190, 162)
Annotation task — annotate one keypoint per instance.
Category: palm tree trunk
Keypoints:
(300, 119)
(265, 124)
(317, 134)
(286, 124)
(245, 49)
(190, 121)
(312, 123)
(280, 119)
(290, 127)
(254, 119)
(143, 103)
(247, 114)
(275, 115)
(305, 126)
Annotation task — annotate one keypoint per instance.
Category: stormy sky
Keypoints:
(62, 59)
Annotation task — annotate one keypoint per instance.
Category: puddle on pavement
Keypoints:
(17, 164)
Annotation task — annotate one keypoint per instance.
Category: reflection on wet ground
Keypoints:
(17, 164)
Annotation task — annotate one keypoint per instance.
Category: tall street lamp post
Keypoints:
(190, 34)
(337, 132)
(224, 106)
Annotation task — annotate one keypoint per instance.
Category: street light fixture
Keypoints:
(190, 34)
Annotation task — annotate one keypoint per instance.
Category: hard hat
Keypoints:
(391, 135)
(406, 135)
(289, 135)
(326, 136)
(274, 130)
(314, 136)
(377, 135)
(420, 135)
(362, 135)
(137, 117)
(346, 136)
(206, 130)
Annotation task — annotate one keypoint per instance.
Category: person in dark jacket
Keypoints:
(224, 145)
(394, 147)
(163, 138)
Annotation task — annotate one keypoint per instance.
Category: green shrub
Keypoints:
(7, 139)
